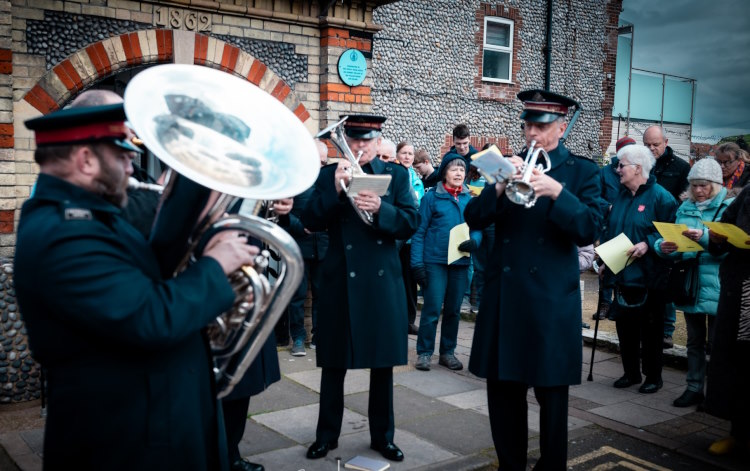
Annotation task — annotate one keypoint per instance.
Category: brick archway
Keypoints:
(156, 46)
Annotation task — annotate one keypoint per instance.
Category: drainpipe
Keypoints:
(548, 48)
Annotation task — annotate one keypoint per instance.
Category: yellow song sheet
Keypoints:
(614, 253)
(459, 233)
(737, 236)
(673, 233)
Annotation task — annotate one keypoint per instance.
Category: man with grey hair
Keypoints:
(386, 150)
(671, 173)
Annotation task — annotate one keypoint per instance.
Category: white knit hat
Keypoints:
(706, 169)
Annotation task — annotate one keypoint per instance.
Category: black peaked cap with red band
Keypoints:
(84, 124)
(541, 106)
(363, 126)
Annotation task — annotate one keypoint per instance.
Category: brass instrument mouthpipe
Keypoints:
(134, 184)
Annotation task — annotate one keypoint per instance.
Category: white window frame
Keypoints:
(508, 50)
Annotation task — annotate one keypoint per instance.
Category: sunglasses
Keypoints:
(620, 165)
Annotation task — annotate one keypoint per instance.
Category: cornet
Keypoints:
(335, 133)
(519, 190)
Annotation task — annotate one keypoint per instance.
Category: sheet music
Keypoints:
(378, 184)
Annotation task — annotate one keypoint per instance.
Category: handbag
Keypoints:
(682, 285)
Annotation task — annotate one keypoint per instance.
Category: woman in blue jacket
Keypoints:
(706, 201)
(639, 287)
(441, 209)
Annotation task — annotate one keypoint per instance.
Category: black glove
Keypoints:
(420, 276)
(467, 246)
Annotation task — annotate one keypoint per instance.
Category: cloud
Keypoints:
(706, 41)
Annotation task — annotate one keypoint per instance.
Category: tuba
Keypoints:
(519, 190)
(335, 133)
(223, 140)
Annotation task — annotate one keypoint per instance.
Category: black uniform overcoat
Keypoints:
(129, 372)
(362, 317)
(529, 324)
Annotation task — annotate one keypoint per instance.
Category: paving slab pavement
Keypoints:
(442, 421)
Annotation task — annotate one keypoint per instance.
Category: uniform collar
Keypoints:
(376, 165)
(558, 155)
(55, 189)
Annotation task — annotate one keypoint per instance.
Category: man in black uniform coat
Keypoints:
(528, 330)
(129, 372)
(362, 320)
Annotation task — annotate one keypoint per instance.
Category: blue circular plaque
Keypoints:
(352, 67)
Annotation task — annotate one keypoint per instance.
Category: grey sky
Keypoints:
(705, 40)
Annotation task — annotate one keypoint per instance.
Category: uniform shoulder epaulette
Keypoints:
(77, 214)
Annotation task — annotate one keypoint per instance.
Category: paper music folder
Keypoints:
(378, 184)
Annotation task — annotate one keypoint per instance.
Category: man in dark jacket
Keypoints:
(528, 330)
(671, 173)
(129, 374)
(363, 319)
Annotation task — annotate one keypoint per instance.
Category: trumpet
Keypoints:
(519, 190)
(335, 133)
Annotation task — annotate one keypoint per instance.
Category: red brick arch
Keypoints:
(104, 58)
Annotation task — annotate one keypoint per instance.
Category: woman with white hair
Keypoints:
(707, 200)
(638, 308)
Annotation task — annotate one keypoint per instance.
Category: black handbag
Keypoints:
(682, 285)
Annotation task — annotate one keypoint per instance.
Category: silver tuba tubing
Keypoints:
(519, 190)
(335, 133)
(238, 335)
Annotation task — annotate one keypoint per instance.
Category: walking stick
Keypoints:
(596, 331)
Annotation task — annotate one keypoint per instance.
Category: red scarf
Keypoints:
(734, 178)
(453, 191)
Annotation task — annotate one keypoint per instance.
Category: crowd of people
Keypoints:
(449, 232)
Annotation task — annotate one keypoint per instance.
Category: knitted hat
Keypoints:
(706, 169)
(622, 142)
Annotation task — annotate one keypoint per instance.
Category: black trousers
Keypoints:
(409, 283)
(379, 409)
(235, 419)
(509, 423)
(641, 333)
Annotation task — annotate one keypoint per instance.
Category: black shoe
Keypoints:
(626, 382)
(689, 398)
(389, 451)
(243, 465)
(413, 329)
(320, 449)
(650, 388)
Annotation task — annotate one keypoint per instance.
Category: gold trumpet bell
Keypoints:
(221, 131)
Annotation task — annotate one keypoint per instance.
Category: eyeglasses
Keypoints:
(725, 163)
(621, 165)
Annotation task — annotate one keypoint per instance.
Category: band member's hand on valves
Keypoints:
(283, 207)
(231, 250)
(544, 185)
(342, 173)
(367, 201)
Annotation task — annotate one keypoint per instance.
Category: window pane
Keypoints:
(496, 65)
(498, 34)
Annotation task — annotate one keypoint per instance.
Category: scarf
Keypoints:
(734, 178)
(453, 191)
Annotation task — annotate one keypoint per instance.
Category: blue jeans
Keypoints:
(698, 338)
(296, 307)
(670, 316)
(445, 287)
